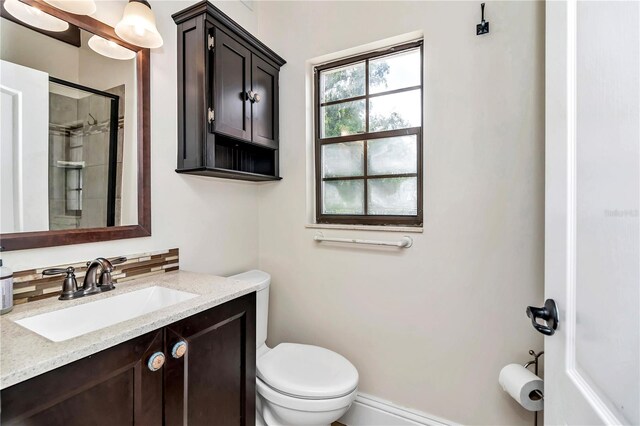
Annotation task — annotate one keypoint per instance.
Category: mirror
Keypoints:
(74, 132)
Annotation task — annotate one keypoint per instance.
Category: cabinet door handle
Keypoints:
(252, 96)
(179, 349)
(156, 361)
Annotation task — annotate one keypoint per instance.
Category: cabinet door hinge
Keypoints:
(210, 42)
(210, 115)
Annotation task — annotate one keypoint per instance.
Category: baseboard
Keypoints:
(368, 410)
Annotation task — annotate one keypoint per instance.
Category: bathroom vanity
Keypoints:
(189, 363)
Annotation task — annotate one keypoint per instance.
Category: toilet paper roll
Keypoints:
(521, 384)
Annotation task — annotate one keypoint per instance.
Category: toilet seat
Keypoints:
(306, 372)
(300, 404)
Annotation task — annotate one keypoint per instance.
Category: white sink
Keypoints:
(77, 320)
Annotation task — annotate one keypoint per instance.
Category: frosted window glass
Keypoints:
(392, 155)
(343, 159)
(345, 118)
(343, 197)
(395, 71)
(393, 196)
(342, 83)
(397, 111)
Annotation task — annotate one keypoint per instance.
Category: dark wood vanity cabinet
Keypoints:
(227, 98)
(111, 387)
(213, 383)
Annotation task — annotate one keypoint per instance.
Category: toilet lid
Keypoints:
(307, 371)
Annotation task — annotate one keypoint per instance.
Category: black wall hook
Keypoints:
(483, 26)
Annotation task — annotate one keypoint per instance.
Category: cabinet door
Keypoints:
(264, 80)
(112, 387)
(232, 81)
(213, 383)
(192, 108)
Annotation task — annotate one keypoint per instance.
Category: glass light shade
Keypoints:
(138, 25)
(34, 16)
(110, 49)
(78, 7)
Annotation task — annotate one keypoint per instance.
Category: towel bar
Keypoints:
(405, 242)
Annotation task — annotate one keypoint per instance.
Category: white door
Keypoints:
(592, 257)
(24, 149)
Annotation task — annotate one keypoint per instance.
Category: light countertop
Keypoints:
(25, 354)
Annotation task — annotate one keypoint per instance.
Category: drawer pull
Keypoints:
(179, 349)
(156, 361)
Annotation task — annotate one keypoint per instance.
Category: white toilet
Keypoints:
(297, 384)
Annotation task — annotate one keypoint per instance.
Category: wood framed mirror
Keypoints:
(96, 159)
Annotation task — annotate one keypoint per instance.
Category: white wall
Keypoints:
(428, 327)
(213, 222)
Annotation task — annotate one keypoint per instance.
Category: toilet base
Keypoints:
(276, 409)
(279, 416)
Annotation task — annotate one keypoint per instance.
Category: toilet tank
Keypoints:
(262, 279)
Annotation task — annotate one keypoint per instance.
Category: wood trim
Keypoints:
(373, 135)
(366, 219)
(37, 239)
(381, 220)
(365, 56)
(229, 174)
(368, 176)
(370, 95)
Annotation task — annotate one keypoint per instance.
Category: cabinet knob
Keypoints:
(179, 349)
(156, 361)
(252, 96)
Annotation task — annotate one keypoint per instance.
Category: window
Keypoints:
(369, 138)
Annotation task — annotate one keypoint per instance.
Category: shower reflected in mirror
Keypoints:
(86, 133)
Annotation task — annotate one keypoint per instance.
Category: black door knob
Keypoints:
(548, 313)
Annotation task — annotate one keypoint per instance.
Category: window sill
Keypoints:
(378, 228)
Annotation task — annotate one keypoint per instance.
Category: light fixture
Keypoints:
(110, 49)
(78, 7)
(138, 25)
(34, 16)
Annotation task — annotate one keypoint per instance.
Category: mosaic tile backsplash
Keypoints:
(31, 285)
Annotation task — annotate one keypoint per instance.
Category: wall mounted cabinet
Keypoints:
(227, 98)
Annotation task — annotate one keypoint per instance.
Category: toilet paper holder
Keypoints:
(536, 366)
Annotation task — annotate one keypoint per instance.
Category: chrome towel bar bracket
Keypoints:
(405, 242)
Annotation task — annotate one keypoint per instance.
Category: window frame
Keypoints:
(365, 219)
